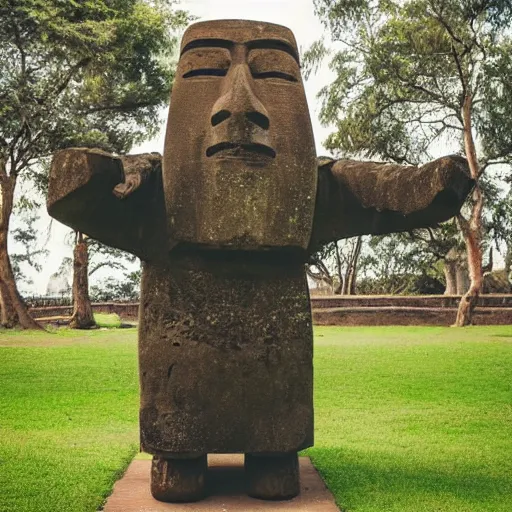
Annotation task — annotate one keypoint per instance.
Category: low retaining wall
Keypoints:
(357, 310)
(407, 310)
(407, 316)
(410, 301)
(127, 311)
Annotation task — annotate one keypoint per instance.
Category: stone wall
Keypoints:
(126, 311)
(357, 310)
(402, 310)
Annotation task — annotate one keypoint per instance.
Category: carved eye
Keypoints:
(274, 74)
(205, 62)
(274, 65)
(205, 72)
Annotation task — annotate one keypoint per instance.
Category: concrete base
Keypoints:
(226, 491)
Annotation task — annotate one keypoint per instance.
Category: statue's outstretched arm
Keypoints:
(116, 200)
(358, 198)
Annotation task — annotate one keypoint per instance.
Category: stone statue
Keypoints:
(224, 224)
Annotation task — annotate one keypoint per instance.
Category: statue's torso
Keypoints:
(225, 357)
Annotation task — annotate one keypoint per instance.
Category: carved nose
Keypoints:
(239, 100)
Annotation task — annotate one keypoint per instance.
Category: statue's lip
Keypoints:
(240, 150)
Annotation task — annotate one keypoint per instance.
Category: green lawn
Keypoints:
(415, 418)
(68, 417)
(407, 418)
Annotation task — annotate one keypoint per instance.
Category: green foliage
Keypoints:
(402, 72)
(500, 224)
(111, 288)
(126, 288)
(89, 73)
(408, 263)
(26, 236)
(101, 255)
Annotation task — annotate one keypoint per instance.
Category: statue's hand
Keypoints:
(130, 184)
(137, 170)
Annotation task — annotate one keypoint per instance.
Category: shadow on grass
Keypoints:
(379, 482)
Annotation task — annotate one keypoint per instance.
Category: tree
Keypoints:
(397, 264)
(501, 226)
(335, 265)
(415, 74)
(125, 289)
(73, 73)
(82, 317)
(89, 256)
(25, 237)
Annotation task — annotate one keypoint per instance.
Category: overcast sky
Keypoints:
(298, 15)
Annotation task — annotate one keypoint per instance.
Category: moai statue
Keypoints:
(224, 224)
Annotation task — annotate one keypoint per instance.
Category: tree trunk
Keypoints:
(14, 312)
(83, 317)
(508, 257)
(470, 299)
(462, 278)
(352, 276)
(340, 289)
(472, 229)
(450, 274)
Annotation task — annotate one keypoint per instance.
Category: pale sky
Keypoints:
(298, 15)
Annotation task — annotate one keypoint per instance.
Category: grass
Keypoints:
(414, 418)
(68, 417)
(106, 320)
(408, 419)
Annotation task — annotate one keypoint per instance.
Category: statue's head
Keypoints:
(239, 161)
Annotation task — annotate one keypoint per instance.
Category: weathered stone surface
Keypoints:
(90, 191)
(178, 480)
(246, 176)
(225, 354)
(357, 198)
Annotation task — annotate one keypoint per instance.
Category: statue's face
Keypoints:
(239, 162)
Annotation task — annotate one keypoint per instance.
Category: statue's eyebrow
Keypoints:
(273, 44)
(207, 43)
(257, 44)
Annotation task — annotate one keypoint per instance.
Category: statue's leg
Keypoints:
(272, 476)
(178, 479)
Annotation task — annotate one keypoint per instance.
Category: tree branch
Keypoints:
(461, 75)
(111, 264)
(79, 65)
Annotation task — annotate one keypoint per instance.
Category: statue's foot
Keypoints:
(178, 480)
(272, 476)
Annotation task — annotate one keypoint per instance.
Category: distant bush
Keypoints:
(400, 284)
